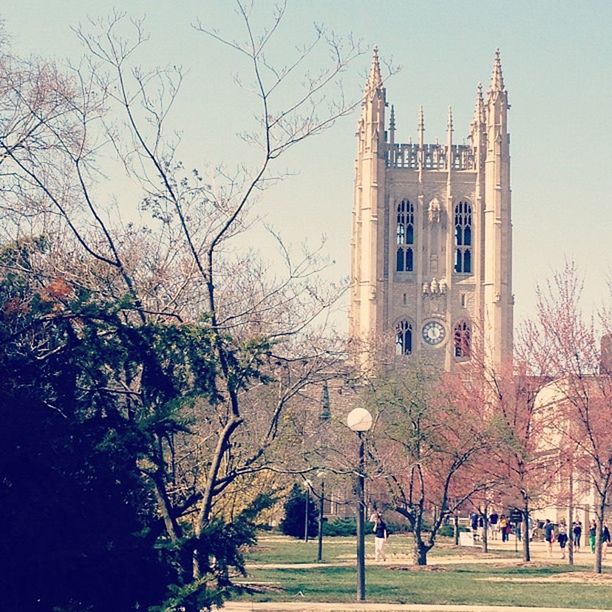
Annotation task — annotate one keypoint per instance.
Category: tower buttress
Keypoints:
(497, 286)
(449, 207)
(478, 142)
(368, 214)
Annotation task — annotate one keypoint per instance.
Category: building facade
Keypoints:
(431, 270)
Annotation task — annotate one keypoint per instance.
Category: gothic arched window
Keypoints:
(462, 337)
(404, 258)
(403, 338)
(463, 238)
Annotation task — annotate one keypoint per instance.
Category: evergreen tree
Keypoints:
(80, 460)
(294, 522)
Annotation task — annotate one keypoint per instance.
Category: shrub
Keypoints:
(346, 526)
(447, 531)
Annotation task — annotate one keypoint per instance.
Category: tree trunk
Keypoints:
(525, 527)
(208, 494)
(456, 530)
(163, 505)
(419, 551)
(321, 519)
(597, 568)
(306, 517)
(485, 531)
(570, 517)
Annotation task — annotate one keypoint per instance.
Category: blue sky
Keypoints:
(557, 61)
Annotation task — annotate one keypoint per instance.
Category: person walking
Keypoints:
(592, 535)
(494, 522)
(577, 533)
(516, 529)
(562, 536)
(380, 537)
(605, 541)
(481, 528)
(474, 526)
(503, 527)
(549, 535)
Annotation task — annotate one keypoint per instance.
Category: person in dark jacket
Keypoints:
(474, 526)
(577, 533)
(494, 522)
(605, 541)
(380, 537)
(549, 535)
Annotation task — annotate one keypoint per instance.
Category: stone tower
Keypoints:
(432, 234)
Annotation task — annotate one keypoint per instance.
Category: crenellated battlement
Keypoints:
(430, 157)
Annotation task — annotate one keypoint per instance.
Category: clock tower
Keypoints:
(431, 269)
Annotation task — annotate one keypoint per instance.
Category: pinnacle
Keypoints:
(421, 125)
(375, 79)
(479, 112)
(497, 78)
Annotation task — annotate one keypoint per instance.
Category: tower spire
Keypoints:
(374, 79)
(497, 78)
(479, 107)
(478, 127)
(392, 125)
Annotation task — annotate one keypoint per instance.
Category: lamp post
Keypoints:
(306, 510)
(321, 475)
(359, 420)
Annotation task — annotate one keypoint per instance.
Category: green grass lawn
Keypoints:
(290, 550)
(341, 549)
(486, 584)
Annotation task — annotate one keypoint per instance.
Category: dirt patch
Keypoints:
(532, 564)
(262, 587)
(417, 568)
(572, 577)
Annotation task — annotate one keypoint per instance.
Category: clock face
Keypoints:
(433, 332)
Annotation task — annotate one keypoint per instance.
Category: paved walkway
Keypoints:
(380, 607)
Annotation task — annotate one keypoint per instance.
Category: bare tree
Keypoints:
(427, 434)
(567, 342)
